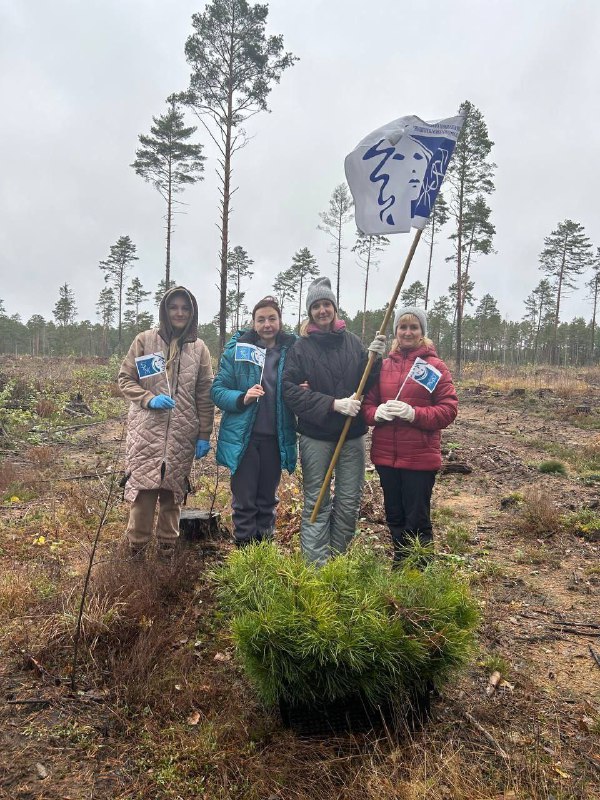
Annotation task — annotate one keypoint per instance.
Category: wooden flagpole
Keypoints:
(359, 392)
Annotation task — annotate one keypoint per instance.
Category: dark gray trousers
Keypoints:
(254, 489)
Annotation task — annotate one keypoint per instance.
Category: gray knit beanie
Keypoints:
(320, 289)
(419, 313)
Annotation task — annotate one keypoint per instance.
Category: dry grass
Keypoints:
(538, 516)
(568, 383)
(174, 722)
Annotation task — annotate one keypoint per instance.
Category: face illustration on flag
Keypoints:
(251, 353)
(425, 374)
(152, 364)
(395, 173)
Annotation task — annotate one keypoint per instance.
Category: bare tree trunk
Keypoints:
(299, 304)
(169, 219)
(339, 260)
(592, 352)
(555, 353)
(225, 224)
(430, 260)
(364, 319)
(459, 286)
(120, 307)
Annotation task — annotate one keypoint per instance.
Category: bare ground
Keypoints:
(168, 714)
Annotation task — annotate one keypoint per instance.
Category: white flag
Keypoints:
(395, 173)
(152, 364)
(250, 352)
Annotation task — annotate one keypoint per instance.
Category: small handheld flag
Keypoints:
(152, 364)
(251, 353)
(395, 173)
(424, 373)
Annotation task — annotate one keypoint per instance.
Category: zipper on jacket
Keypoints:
(163, 466)
(396, 426)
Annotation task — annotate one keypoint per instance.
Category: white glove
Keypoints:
(397, 408)
(377, 346)
(382, 414)
(348, 406)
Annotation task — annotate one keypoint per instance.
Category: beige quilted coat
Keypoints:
(161, 443)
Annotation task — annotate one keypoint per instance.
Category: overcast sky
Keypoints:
(81, 79)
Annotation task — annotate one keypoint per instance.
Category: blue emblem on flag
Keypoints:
(395, 173)
(425, 374)
(152, 364)
(251, 353)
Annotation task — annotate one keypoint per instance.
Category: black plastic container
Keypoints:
(353, 715)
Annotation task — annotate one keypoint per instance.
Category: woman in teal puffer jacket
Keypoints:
(257, 436)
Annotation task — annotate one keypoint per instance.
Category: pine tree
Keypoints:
(594, 286)
(567, 251)
(65, 309)
(489, 325)
(439, 216)
(106, 308)
(283, 287)
(135, 296)
(366, 248)
(338, 213)
(234, 65)
(169, 161)
(469, 178)
(439, 324)
(304, 266)
(37, 326)
(238, 267)
(540, 309)
(115, 268)
(414, 295)
(161, 290)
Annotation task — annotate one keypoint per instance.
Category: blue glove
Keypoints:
(202, 448)
(161, 401)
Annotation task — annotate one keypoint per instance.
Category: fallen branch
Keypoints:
(559, 621)
(595, 655)
(574, 631)
(40, 668)
(488, 736)
(30, 701)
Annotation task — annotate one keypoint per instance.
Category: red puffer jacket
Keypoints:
(411, 445)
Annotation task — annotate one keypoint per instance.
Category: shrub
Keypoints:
(353, 627)
(552, 467)
(538, 514)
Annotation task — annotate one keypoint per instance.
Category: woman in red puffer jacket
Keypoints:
(408, 418)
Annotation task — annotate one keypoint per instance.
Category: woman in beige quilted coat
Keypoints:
(170, 419)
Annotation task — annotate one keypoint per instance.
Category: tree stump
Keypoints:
(197, 524)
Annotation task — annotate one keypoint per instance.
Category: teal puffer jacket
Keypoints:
(231, 383)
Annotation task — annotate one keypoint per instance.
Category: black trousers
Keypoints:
(407, 500)
(254, 489)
